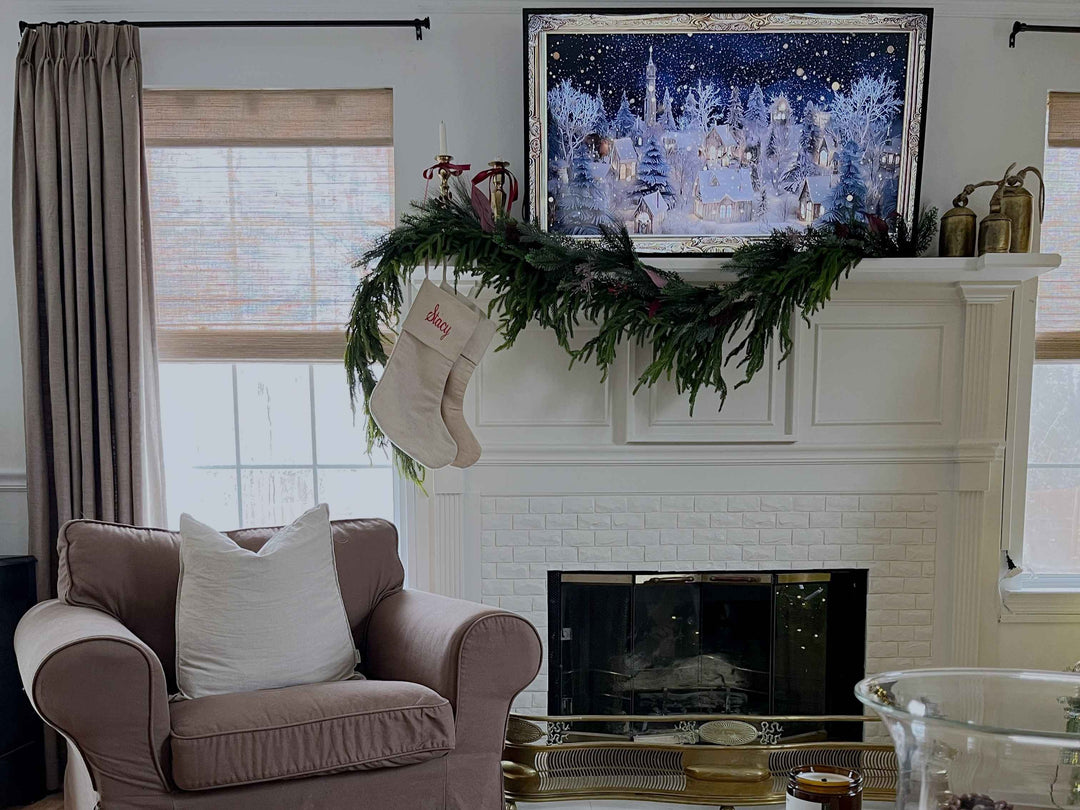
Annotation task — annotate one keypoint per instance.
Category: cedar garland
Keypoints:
(557, 282)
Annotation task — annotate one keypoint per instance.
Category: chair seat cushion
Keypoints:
(306, 730)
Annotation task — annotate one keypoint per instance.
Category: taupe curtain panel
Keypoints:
(83, 276)
(1057, 324)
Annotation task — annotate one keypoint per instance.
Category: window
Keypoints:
(260, 200)
(1052, 513)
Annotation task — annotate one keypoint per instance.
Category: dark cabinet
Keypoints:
(22, 760)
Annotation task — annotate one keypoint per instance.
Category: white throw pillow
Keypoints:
(247, 620)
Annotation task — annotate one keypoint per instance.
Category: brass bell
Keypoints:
(1018, 205)
(995, 230)
(995, 233)
(957, 236)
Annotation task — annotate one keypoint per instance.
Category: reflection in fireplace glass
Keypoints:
(753, 643)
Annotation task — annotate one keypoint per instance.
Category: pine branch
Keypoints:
(558, 283)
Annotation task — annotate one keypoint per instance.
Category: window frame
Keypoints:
(342, 116)
(238, 466)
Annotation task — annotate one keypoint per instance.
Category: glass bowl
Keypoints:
(970, 738)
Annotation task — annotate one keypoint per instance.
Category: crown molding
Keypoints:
(1028, 10)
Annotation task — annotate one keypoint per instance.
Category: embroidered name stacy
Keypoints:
(433, 318)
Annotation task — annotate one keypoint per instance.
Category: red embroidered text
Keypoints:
(434, 319)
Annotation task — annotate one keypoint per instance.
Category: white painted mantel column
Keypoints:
(891, 439)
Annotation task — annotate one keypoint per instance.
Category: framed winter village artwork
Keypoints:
(699, 131)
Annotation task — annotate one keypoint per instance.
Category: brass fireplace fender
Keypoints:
(544, 760)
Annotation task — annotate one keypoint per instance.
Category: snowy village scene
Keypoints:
(711, 138)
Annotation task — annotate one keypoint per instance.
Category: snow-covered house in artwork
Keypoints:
(650, 213)
(624, 158)
(722, 147)
(780, 110)
(681, 141)
(724, 195)
(813, 198)
(890, 156)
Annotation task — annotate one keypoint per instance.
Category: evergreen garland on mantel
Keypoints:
(558, 283)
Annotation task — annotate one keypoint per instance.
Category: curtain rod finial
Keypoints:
(1017, 28)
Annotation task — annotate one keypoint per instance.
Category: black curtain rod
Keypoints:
(416, 23)
(1021, 27)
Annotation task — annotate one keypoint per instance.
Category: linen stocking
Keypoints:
(407, 400)
(468, 448)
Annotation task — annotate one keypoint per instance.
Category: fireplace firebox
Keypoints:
(723, 642)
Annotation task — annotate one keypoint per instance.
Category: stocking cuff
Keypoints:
(437, 319)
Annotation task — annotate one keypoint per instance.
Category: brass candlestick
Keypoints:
(444, 162)
(497, 187)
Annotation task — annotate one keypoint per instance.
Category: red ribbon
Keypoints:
(454, 169)
(497, 171)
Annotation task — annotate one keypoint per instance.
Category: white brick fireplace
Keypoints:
(893, 439)
(894, 536)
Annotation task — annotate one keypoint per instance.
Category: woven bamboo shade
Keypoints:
(268, 117)
(1058, 320)
(260, 200)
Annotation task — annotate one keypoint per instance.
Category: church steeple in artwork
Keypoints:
(650, 91)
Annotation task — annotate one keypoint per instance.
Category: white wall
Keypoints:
(985, 109)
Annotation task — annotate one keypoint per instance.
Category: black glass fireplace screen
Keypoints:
(721, 642)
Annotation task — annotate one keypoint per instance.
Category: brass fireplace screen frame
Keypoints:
(549, 758)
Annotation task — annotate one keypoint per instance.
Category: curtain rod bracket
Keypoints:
(416, 23)
(1021, 27)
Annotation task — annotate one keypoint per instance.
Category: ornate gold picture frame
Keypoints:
(700, 131)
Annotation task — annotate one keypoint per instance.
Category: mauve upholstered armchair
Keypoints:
(425, 731)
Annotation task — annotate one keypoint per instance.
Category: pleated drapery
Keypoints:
(85, 289)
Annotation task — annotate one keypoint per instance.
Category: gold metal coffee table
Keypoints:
(702, 759)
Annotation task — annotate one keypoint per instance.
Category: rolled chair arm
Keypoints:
(476, 657)
(99, 685)
(459, 649)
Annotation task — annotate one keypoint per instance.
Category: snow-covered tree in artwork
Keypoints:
(866, 111)
(625, 122)
(667, 117)
(780, 155)
(702, 107)
(756, 117)
(875, 176)
(581, 206)
(653, 173)
(688, 121)
(889, 198)
(733, 114)
(804, 164)
(761, 197)
(574, 115)
(685, 165)
(601, 127)
(863, 116)
(849, 194)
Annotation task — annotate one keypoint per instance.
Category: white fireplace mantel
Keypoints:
(992, 267)
(911, 386)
